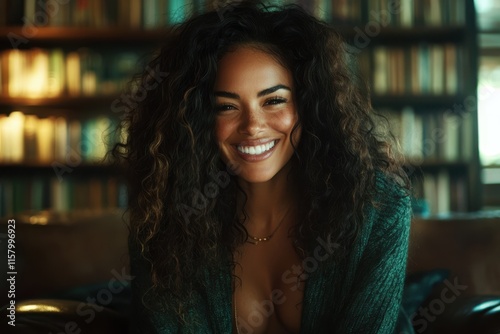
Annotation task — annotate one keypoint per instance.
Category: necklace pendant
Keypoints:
(256, 240)
(252, 240)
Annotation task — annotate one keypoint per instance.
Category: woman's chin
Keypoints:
(255, 176)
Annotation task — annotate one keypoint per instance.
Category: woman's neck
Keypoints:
(268, 202)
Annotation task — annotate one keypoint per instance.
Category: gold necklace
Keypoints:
(255, 240)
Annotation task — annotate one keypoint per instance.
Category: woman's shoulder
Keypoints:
(391, 205)
(390, 191)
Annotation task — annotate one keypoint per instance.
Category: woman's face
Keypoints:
(256, 113)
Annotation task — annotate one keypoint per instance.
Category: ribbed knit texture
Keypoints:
(361, 294)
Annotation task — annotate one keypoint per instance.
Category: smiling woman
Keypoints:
(263, 199)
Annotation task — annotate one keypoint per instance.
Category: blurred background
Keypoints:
(433, 68)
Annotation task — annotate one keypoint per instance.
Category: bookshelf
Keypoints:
(62, 69)
(419, 57)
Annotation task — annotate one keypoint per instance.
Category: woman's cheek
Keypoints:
(220, 129)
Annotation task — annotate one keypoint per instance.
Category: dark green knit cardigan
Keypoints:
(361, 294)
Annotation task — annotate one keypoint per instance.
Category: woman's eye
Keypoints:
(276, 100)
(224, 107)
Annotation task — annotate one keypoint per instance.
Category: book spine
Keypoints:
(15, 13)
(443, 195)
(437, 69)
(38, 193)
(3, 16)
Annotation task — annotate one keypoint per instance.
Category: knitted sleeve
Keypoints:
(374, 300)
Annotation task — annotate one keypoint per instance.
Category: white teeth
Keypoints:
(256, 150)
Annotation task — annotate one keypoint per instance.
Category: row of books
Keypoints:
(50, 73)
(418, 69)
(21, 194)
(426, 135)
(401, 13)
(26, 138)
(410, 13)
(440, 193)
(154, 13)
(97, 13)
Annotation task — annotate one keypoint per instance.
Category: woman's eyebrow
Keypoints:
(272, 90)
(266, 91)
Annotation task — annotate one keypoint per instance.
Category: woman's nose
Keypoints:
(252, 121)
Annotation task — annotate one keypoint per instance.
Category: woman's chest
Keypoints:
(269, 292)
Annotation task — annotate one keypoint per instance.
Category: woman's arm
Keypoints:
(375, 296)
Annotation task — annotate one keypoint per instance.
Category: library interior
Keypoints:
(433, 71)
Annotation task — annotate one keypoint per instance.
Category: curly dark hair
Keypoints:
(182, 198)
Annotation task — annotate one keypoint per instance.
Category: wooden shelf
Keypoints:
(495, 166)
(73, 102)
(404, 35)
(83, 36)
(417, 101)
(430, 164)
(82, 169)
(50, 218)
(120, 35)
